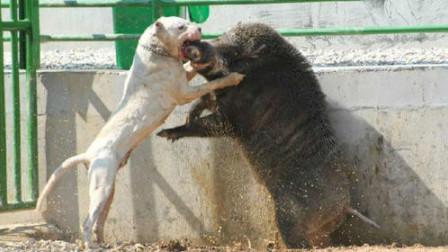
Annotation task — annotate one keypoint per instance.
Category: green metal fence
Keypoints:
(23, 26)
(25, 40)
(160, 4)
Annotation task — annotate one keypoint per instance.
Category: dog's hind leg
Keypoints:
(102, 172)
(98, 228)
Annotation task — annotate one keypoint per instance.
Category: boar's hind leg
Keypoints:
(209, 126)
(291, 221)
(319, 240)
(293, 226)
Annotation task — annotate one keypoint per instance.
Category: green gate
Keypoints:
(23, 26)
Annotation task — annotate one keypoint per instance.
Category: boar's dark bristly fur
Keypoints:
(279, 116)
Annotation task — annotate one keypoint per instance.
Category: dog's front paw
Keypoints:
(236, 78)
(169, 134)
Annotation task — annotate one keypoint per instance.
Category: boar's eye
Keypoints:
(182, 27)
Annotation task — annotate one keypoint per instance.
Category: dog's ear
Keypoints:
(160, 32)
(159, 26)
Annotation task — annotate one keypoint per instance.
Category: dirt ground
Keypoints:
(174, 246)
(46, 238)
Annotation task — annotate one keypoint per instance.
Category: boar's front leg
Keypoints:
(205, 102)
(212, 125)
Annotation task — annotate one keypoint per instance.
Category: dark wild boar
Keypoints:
(279, 116)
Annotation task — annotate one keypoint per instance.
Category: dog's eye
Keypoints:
(182, 27)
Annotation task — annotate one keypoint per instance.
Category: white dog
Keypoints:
(155, 85)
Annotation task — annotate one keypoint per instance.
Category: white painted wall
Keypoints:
(393, 122)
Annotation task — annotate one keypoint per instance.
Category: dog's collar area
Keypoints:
(156, 49)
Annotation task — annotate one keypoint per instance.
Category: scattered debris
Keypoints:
(11, 233)
(184, 245)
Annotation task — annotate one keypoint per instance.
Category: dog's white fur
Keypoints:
(156, 84)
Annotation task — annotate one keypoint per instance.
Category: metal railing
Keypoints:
(158, 5)
(24, 29)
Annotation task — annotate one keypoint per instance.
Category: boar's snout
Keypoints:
(193, 53)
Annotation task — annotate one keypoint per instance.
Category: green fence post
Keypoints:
(22, 37)
(156, 9)
(32, 61)
(3, 180)
(15, 97)
(35, 33)
(199, 13)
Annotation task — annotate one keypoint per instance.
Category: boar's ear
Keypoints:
(258, 50)
(254, 52)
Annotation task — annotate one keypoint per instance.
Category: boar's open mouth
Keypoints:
(184, 46)
(200, 54)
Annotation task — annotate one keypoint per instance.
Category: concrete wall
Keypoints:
(327, 14)
(393, 122)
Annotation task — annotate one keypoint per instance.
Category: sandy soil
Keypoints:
(171, 246)
(42, 237)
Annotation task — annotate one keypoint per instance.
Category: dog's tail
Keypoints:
(65, 166)
(354, 212)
